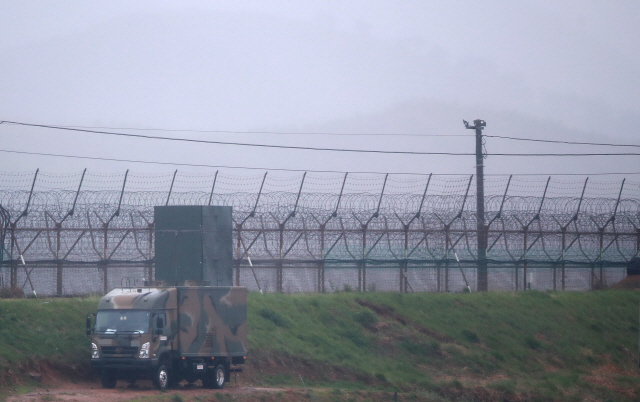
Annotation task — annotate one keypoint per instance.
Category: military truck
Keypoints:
(170, 334)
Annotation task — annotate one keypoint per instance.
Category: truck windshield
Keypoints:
(112, 321)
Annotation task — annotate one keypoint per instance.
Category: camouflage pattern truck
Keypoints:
(170, 334)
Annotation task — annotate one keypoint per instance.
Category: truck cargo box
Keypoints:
(212, 321)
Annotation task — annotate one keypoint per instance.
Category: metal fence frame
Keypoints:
(287, 232)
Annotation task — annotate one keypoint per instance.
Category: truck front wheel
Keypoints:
(215, 379)
(161, 378)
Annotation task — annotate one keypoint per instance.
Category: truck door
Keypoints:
(161, 331)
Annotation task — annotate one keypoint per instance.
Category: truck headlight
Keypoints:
(94, 351)
(144, 351)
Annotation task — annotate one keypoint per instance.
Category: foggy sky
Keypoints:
(543, 69)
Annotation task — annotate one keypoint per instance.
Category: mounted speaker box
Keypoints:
(194, 245)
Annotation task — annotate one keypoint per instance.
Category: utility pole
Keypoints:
(479, 125)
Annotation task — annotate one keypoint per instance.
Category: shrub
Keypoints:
(366, 318)
(470, 336)
(356, 337)
(13, 292)
(381, 377)
(532, 342)
(274, 317)
(420, 349)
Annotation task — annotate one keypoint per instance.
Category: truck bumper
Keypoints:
(124, 364)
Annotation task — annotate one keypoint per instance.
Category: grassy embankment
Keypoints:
(43, 330)
(495, 346)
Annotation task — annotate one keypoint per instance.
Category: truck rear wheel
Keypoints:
(161, 379)
(215, 379)
(107, 379)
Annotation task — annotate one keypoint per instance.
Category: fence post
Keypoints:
(238, 253)
(59, 233)
(322, 261)
(26, 208)
(213, 187)
(564, 246)
(537, 217)
(322, 233)
(239, 225)
(171, 187)
(105, 227)
(280, 253)
(446, 262)
(58, 261)
(105, 287)
(600, 253)
(14, 240)
(13, 279)
(404, 266)
(281, 226)
(405, 263)
(612, 219)
(498, 215)
(524, 256)
(150, 264)
(362, 272)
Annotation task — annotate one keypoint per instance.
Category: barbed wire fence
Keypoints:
(321, 232)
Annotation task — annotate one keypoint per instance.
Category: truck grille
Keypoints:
(119, 350)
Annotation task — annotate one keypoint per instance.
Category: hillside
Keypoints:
(495, 346)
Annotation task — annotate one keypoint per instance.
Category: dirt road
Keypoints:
(91, 392)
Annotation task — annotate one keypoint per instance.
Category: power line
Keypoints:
(562, 142)
(197, 165)
(309, 148)
(251, 132)
(302, 170)
(237, 143)
(274, 132)
(339, 134)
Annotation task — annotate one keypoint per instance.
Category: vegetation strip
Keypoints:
(494, 346)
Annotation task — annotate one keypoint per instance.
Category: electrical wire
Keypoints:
(346, 134)
(309, 148)
(562, 142)
(192, 140)
(275, 132)
(301, 170)
(198, 165)
(256, 132)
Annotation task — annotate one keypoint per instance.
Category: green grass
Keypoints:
(546, 343)
(526, 345)
(51, 329)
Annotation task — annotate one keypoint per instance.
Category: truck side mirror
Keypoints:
(88, 322)
(159, 325)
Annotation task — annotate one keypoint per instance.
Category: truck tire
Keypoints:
(161, 379)
(108, 380)
(216, 378)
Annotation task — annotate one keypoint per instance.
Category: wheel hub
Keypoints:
(162, 378)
